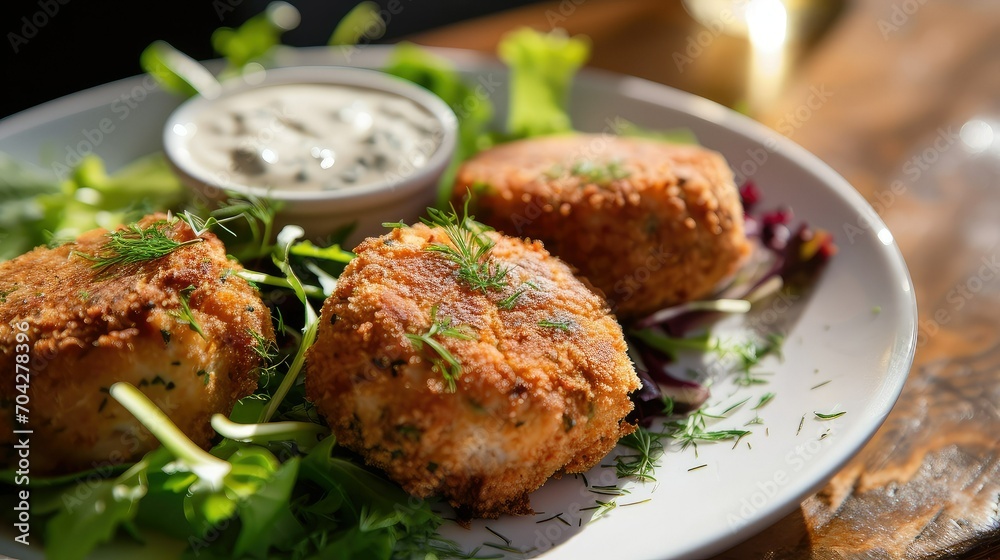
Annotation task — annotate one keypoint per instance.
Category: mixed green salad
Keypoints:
(277, 485)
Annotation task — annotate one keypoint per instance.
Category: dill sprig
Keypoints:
(259, 214)
(442, 359)
(691, 430)
(764, 399)
(267, 351)
(510, 301)
(602, 509)
(185, 315)
(748, 355)
(470, 249)
(135, 244)
(640, 465)
(264, 348)
(563, 325)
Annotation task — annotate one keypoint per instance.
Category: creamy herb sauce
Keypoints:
(315, 137)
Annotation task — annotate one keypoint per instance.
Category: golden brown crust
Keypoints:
(90, 327)
(666, 230)
(532, 400)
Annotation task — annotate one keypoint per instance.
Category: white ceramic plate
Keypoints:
(835, 335)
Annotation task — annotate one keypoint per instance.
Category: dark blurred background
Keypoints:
(56, 47)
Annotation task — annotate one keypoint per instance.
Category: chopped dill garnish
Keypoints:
(691, 430)
(264, 348)
(442, 359)
(830, 416)
(601, 175)
(602, 509)
(639, 465)
(562, 325)
(701, 466)
(764, 399)
(135, 244)
(734, 407)
(818, 385)
(510, 301)
(801, 422)
(505, 539)
(637, 503)
(748, 355)
(185, 315)
(609, 490)
(470, 249)
(668, 405)
(7, 292)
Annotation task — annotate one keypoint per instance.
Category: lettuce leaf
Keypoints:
(542, 66)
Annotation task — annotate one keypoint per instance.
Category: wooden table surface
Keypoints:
(903, 78)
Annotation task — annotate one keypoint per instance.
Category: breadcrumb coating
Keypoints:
(649, 223)
(89, 328)
(543, 387)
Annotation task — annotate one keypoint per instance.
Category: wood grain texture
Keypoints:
(928, 484)
(904, 75)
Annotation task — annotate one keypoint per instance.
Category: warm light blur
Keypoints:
(767, 28)
(767, 24)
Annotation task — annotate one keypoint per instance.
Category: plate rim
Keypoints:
(672, 98)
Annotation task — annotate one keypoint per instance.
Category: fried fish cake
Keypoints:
(182, 328)
(542, 379)
(651, 224)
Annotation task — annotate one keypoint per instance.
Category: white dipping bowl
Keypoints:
(401, 192)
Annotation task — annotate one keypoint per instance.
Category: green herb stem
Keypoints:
(306, 434)
(278, 282)
(167, 433)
